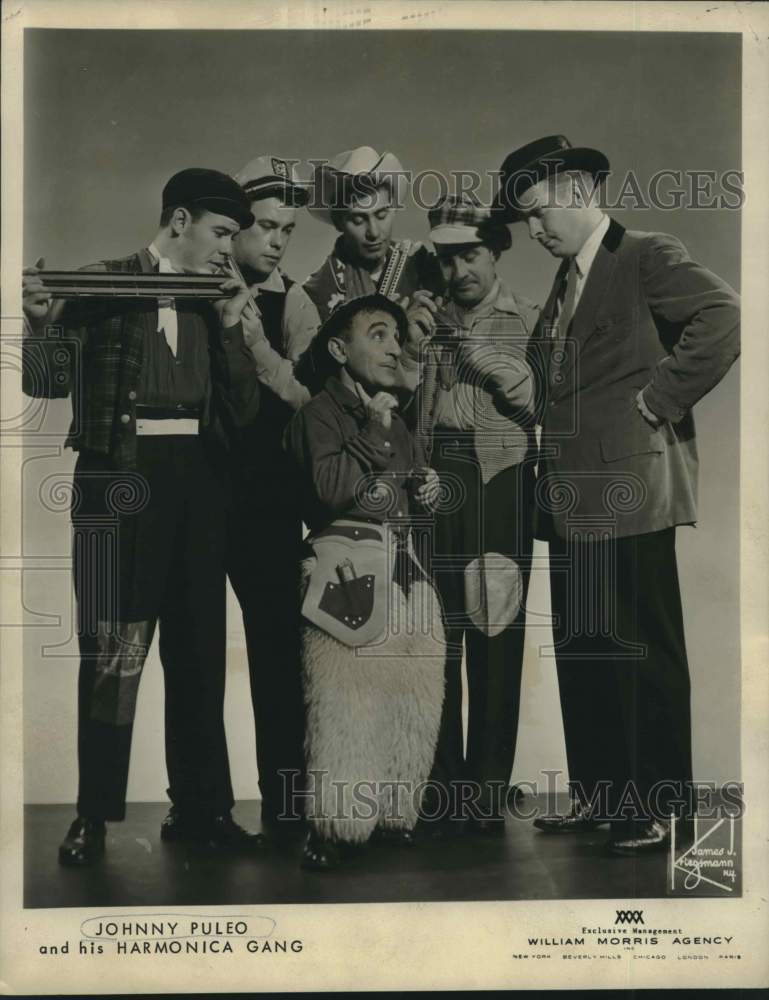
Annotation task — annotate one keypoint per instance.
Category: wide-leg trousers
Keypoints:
(148, 549)
(623, 673)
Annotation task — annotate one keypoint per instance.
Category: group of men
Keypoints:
(421, 417)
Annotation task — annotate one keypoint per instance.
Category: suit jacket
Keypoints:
(94, 352)
(649, 319)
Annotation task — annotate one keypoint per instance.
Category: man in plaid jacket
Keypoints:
(155, 385)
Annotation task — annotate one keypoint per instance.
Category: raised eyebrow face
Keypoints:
(381, 325)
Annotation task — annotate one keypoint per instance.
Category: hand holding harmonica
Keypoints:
(35, 296)
(423, 312)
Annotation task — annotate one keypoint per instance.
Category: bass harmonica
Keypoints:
(118, 284)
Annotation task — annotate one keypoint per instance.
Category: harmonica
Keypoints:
(393, 272)
(117, 284)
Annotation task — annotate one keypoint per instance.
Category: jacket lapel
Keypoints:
(548, 311)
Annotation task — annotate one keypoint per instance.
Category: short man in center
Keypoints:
(372, 637)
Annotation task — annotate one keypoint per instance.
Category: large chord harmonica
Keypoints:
(391, 276)
(118, 284)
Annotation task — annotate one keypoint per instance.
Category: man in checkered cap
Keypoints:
(358, 192)
(477, 406)
(265, 523)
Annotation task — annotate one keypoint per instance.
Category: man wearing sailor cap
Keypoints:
(265, 524)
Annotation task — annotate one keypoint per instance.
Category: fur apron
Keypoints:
(373, 714)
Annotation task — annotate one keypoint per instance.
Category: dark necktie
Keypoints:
(567, 296)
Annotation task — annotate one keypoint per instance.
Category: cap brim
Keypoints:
(455, 235)
(296, 195)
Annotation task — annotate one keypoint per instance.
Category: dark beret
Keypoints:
(209, 189)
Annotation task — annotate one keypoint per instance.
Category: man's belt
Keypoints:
(175, 420)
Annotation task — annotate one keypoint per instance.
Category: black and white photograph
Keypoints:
(384, 488)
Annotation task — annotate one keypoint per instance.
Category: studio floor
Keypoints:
(140, 870)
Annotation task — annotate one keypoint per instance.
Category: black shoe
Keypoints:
(575, 822)
(83, 844)
(322, 855)
(393, 836)
(652, 836)
(220, 833)
(487, 827)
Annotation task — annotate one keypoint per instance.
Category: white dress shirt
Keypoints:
(586, 256)
(166, 307)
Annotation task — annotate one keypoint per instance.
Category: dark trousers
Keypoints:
(148, 550)
(492, 518)
(265, 534)
(623, 674)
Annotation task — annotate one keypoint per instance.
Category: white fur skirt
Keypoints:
(373, 715)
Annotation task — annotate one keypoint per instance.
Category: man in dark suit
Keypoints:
(633, 334)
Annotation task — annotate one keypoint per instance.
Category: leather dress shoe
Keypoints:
(392, 835)
(84, 843)
(216, 832)
(652, 836)
(575, 822)
(321, 855)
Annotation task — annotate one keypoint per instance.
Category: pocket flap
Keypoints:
(631, 436)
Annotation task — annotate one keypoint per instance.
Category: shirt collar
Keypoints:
(499, 299)
(272, 283)
(157, 256)
(586, 255)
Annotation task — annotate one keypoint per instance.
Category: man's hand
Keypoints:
(646, 413)
(231, 308)
(421, 312)
(428, 491)
(36, 300)
(379, 407)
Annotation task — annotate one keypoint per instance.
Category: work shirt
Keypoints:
(347, 465)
